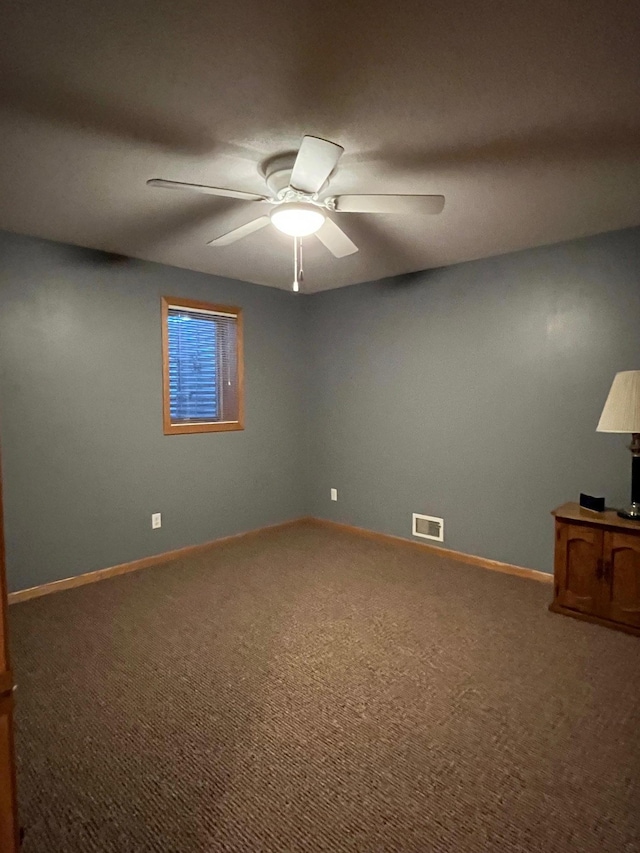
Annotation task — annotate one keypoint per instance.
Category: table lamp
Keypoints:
(621, 413)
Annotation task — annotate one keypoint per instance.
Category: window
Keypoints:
(201, 366)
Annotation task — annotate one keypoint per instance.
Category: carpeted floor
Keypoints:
(307, 690)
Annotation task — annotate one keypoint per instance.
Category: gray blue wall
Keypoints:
(85, 461)
(470, 392)
(473, 392)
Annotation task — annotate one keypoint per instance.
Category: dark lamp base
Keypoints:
(632, 512)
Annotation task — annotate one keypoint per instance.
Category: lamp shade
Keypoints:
(297, 219)
(621, 412)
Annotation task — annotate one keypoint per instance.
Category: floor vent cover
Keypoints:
(428, 527)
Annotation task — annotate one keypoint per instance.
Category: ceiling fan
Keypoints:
(295, 183)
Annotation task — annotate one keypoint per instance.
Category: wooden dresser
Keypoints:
(597, 567)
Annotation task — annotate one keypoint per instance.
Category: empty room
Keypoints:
(320, 427)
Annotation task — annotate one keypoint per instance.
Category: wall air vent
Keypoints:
(428, 527)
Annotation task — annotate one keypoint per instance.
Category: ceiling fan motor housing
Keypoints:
(277, 173)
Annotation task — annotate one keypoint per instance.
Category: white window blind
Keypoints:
(202, 365)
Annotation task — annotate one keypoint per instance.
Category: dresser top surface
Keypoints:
(609, 518)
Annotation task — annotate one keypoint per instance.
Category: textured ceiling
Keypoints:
(525, 115)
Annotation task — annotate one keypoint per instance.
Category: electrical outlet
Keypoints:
(334, 494)
(156, 520)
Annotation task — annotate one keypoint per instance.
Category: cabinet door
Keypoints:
(578, 567)
(622, 576)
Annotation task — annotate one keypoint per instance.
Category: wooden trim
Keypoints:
(135, 565)
(240, 363)
(446, 553)
(166, 391)
(170, 428)
(4, 628)
(219, 426)
(167, 556)
(9, 825)
(6, 682)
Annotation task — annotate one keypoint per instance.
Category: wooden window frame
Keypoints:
(204, 426)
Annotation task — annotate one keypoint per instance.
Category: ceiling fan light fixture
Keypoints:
(297, 219)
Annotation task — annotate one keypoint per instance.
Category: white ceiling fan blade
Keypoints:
(389, 203)
(316, 159)
(335, 239)
(239, 233)
(202, 188)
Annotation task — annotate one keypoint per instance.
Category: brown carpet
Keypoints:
(307, 690)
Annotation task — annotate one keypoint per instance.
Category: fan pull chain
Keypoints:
(300, 270)
(298, 275)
